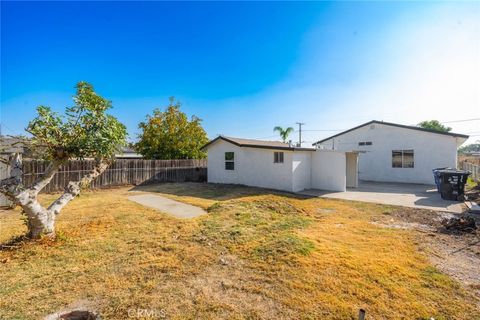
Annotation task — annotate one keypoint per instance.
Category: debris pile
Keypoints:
(460, 224)
(73, 315)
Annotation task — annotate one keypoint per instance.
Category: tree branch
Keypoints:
(74, 187)
(41, 182)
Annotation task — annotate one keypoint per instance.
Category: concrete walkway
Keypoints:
(171, 207)
(400, 194)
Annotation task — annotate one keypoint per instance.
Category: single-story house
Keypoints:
(277, 165)
(390, 152)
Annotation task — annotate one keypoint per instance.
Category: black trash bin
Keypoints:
(451, 183)
(436, 176)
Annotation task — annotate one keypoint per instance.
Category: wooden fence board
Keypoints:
(121, 172)
(473, 168)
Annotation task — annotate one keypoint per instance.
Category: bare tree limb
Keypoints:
(74, 187)
(42, 181)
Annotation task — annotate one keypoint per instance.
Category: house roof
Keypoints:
(456, 135)
(11, 144)
(262, 144)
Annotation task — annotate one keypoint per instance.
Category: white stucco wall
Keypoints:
(253, 167)
(328, 170)
(430, 151)
(325, 170)
(301, 170)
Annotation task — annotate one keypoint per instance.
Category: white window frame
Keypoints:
(403, 163)
(228, 161)
(278, 157)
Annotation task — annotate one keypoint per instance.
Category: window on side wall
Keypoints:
(229, 161)
(403, 159)
(365, 143)
(278, 157)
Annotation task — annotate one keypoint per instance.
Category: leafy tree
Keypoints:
(86, 130)
(434, 125)
(472, 147)
(170, 134)
(284, 133)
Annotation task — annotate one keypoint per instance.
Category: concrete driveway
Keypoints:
(400, 194)
(171, 207)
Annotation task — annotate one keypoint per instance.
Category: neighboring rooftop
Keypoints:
(128, 153)
(262, 144)
(10, 144)
(456, 135)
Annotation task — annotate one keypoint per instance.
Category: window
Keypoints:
(278, 157)
(229, 161)
(365, 143)
(402, 159)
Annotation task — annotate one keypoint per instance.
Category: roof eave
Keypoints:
(256, 146)
(455, 135)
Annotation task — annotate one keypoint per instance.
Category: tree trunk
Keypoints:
(41, 220)
(41, 225)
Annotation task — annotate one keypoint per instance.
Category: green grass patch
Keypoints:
(283, 246)
(267, 227)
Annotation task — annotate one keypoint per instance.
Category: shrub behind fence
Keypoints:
(121, 172)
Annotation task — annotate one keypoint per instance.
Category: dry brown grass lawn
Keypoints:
(255, 255)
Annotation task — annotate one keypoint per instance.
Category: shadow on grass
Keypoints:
(213, 191)
(14, 243)
(20, 241)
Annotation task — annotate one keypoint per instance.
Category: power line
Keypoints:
(273, 136)
(324, 130)
(464, 120)
(3, 126)
(338, 130)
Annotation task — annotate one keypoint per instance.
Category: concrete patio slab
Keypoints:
(400, 194)
(171, 207)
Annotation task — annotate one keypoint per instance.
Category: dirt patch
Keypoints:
(462, 224)
(79, 310)
(453, 251)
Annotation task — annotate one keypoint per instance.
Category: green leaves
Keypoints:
(170, 134)
(84, 131)
(434, 125)
(284, 133)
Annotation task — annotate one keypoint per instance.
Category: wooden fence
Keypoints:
(473, 168)
(4, 173)
(121, 172)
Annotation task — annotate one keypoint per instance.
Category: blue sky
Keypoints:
(247, 67)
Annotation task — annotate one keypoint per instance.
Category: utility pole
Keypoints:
(300, 124)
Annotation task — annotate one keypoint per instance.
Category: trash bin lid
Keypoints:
(453, 171)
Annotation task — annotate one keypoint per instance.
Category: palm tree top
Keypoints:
(284, 132)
